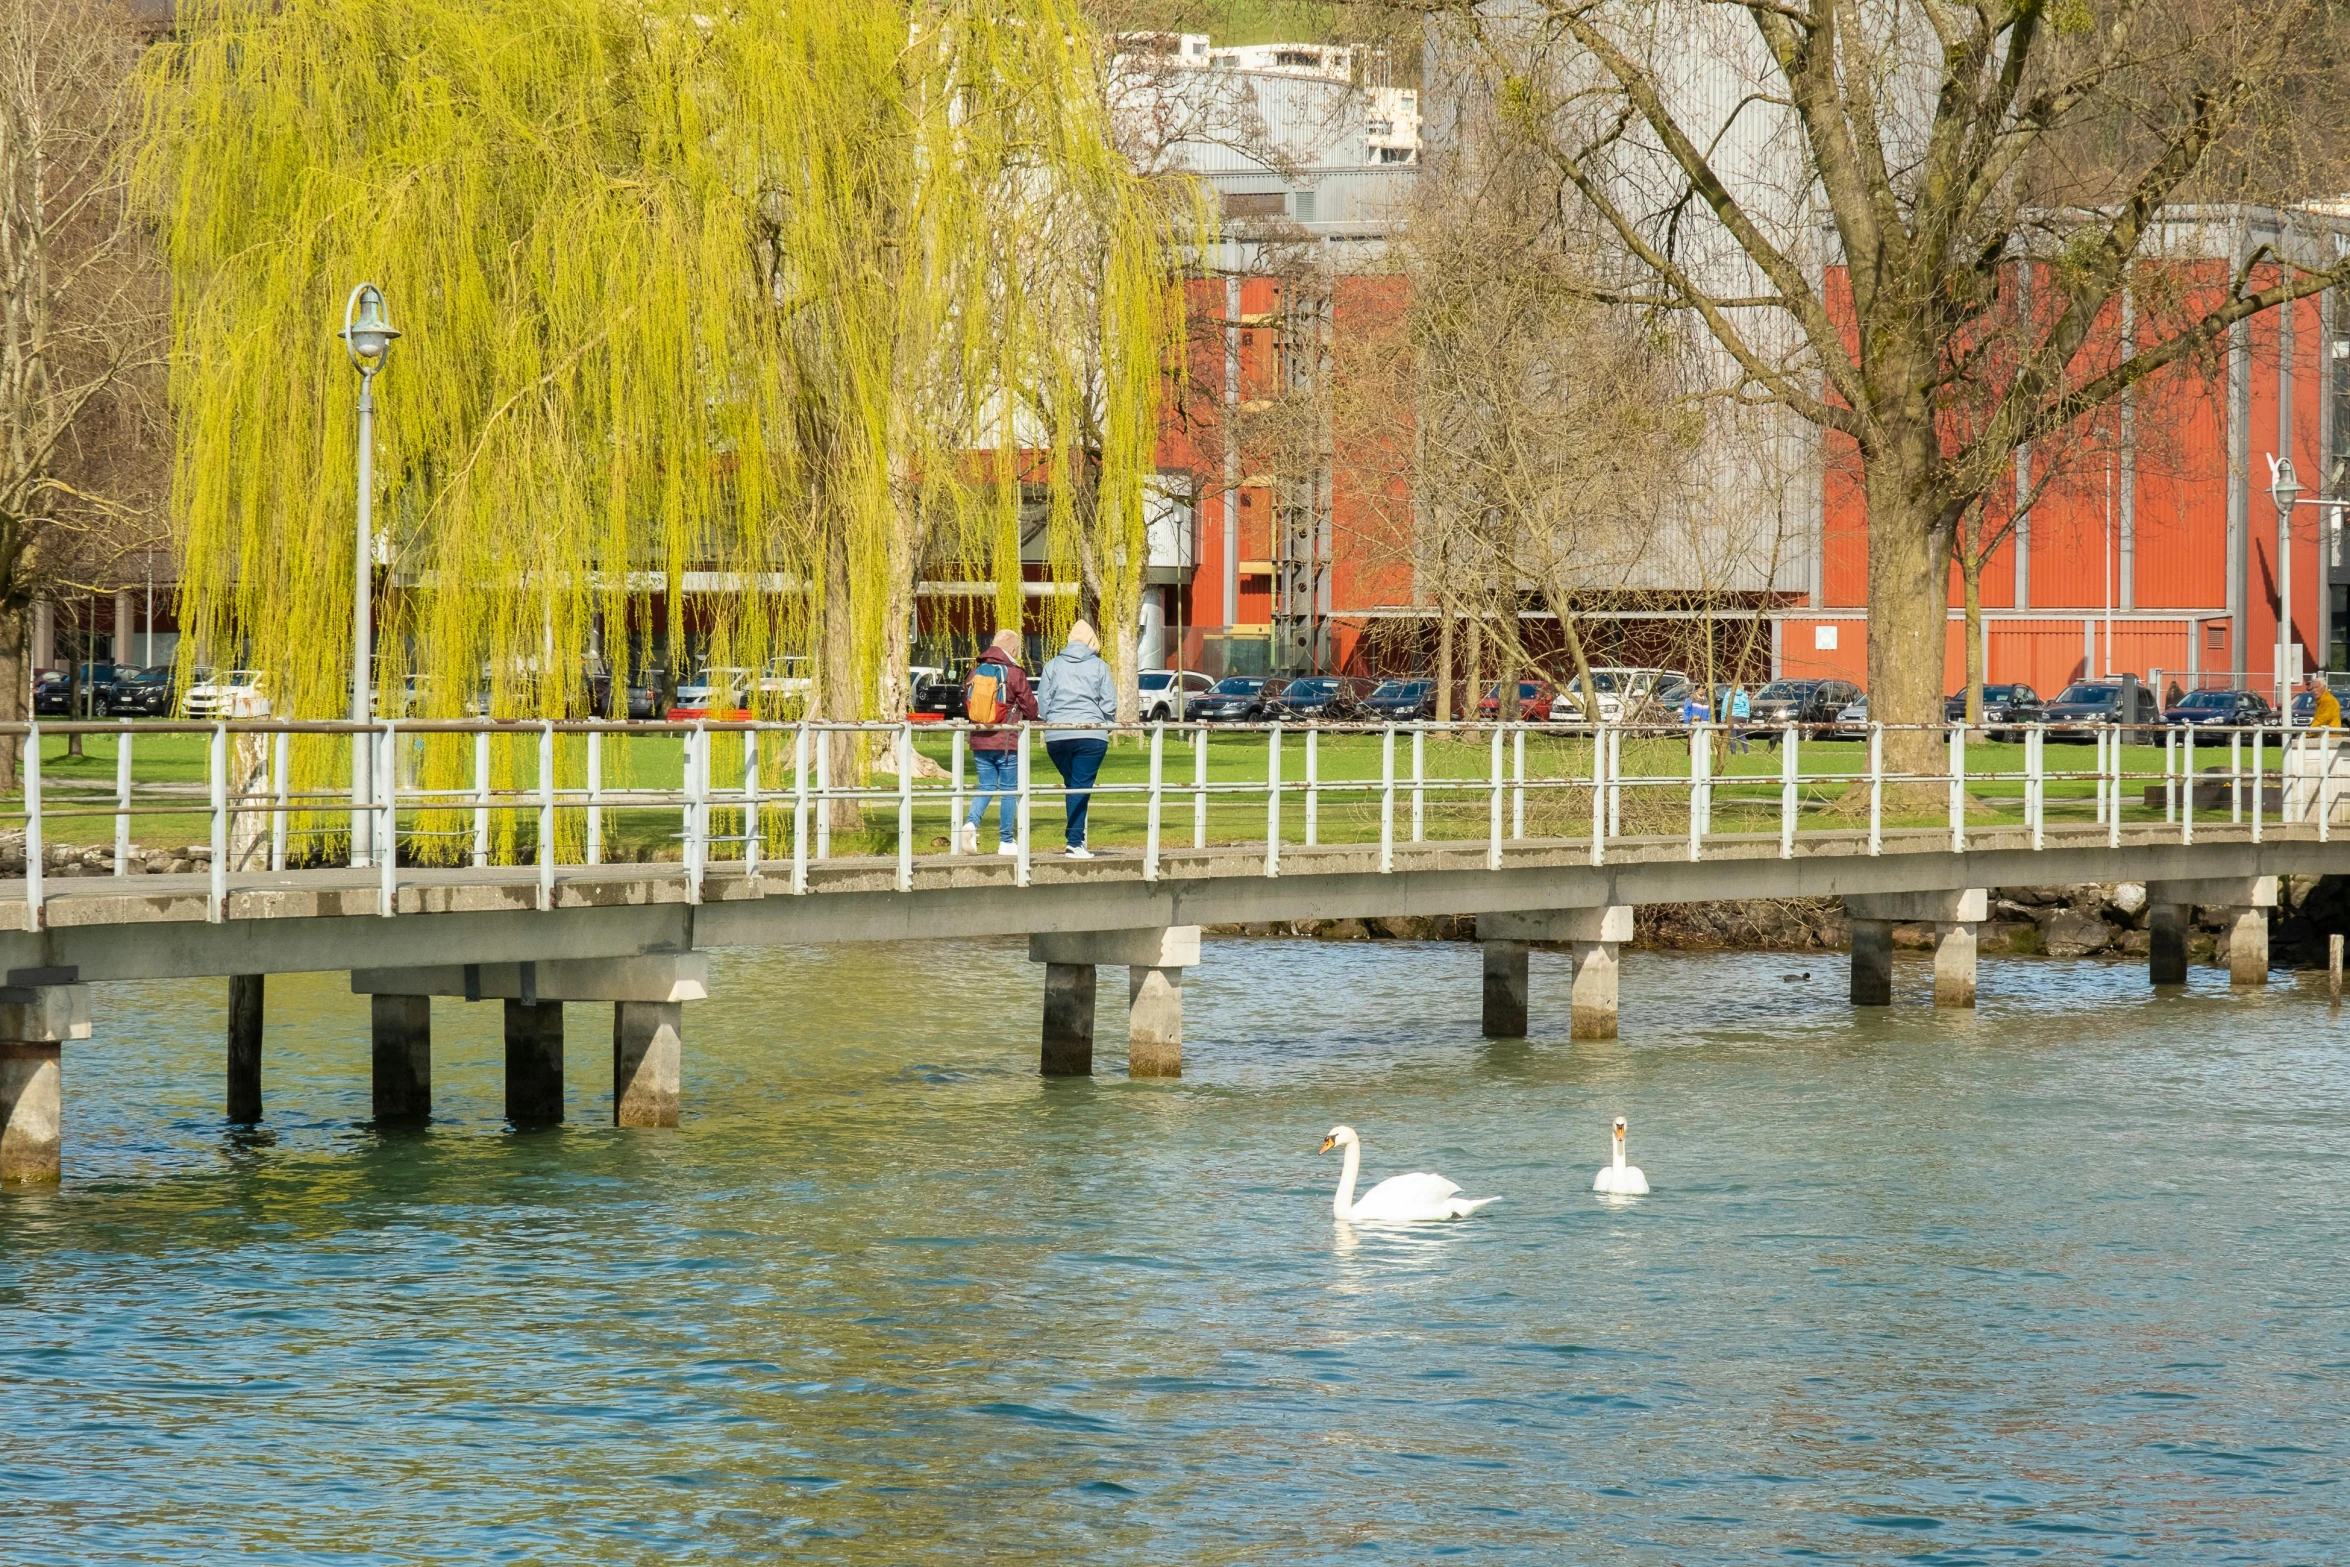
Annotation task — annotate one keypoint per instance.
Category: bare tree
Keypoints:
(81, 329)
(1940, 146)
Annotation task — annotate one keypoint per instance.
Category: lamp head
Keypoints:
(2284, 485)
(367, 329)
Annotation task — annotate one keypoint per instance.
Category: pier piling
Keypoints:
(648, 1046)
(245, 1012)
(402, 1030)
(1505, 989)
(534, 1063)
(1154, 958)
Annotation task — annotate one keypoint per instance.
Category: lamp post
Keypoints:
(2284, 488)
(367, 337)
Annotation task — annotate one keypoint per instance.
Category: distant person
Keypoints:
(998, 692)
(1078, 701)
(2175, 696)
(1693, 708)
(1741, 709)
(2327, 712)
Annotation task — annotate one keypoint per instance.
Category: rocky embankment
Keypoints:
(71, 859)
(2108, 921)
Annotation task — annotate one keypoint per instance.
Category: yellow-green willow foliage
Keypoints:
(719, 301)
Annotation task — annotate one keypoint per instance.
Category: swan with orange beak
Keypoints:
(1618, 1178)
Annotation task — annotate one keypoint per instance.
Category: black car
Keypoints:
(1334, 699)
(1810, 705)
(1401, 701)
(2007, 707)
(644, 692)
(2088, 702)
(55, 696)
(52, 696)
(135, 692)
(2230, 708)
(942, 698)
(1237, 699)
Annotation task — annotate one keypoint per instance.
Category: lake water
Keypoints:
(2063, 1279)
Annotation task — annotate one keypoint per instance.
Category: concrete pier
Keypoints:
(2247, 900)
(40, 1009)
(402, 1029)
(245, 1012)
(648, 1047)
(534, 1063)
(1954, 915)
(1154, 958)
(2166, 942)
(1505, 989)
(1596, 934)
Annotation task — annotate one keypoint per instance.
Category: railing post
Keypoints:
(33, 851)
(1150, 828)
(906, 805)
(2325, 786)
(1273, 799)
(754, 795)
(2170, 776)
(1615, 783)
(2187, 794)
(1700, 753)
(1199, 786)
(2235, 777)
(1020, 865)
(122, 800)
(824, 794)
(697, 775)
(595, 797)
(1876, 788)
(278, 787)
(2113, 788)
(955, 799)
(1518, 782)
(547, 823)
(216, 902)
(2102, 738)
(1313, 785)
(1958, 787)
(1387, 800)
(481, 799)
(2036, 784)
(1789, 765)
(387, 831)
(1599, 794)
(799, 808)
(1493, 805)
(2259, 781)
(1419, 784)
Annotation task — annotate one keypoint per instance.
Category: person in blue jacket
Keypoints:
(1077, 701)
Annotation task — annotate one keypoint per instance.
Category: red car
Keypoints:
(1534, 699)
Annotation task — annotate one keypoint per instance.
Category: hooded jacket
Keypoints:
(1076, 695)
(1019, 702)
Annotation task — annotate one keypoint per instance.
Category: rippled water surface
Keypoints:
(2063, 1279)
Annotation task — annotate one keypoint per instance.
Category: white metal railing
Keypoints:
(543, 793)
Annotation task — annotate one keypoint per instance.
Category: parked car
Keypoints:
(219, 693)
(1237, 699)
(52, 695)
(145, 693)
(1626, 695)
(1336, 699)
(644, 692)
(1809, 705)
(940, 697)
(1852, 720)
(1401, 701)
(2011, 705)
(2089, 702)
(2220, 707)
(1168, 694)
(714, 693)
(1534, 703)
(784, 684)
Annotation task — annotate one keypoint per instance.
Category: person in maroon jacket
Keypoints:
(997, 751)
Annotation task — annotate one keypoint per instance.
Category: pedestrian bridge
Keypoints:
(1350, 822)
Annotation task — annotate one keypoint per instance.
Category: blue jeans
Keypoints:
(999, 778)
(1080, 762)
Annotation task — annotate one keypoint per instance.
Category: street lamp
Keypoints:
(2284, 488)
(367, 336)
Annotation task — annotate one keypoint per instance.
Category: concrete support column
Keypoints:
(1154, 960)
(1068, 1020)
(1954, 963)
(534, 1063)
(32, 1108)
(648, 1047)
(1596, 934)
(2247, 945)
(1154, 1027)
(1872, 963)
(2166, 944)
(1505, 989)
(244, 1048)
(402, 1028)
(1595, 990)
(2247, 900)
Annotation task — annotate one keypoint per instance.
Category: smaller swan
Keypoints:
(1400, 1199)
(1619, 1178)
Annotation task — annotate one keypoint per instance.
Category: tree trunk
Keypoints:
(1474, 669)
(1970, 574)
(1909, 604)
(1443, 663)
(838, 697)
(16, 688)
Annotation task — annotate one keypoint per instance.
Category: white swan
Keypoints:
(1400, 1199)
(1619, 1178)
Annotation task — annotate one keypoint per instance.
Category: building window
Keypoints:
(1301, 206)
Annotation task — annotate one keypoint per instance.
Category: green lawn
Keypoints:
(79, 791)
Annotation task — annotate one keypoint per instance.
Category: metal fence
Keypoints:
(770, 799)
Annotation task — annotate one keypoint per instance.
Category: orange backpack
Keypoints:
(983, 697)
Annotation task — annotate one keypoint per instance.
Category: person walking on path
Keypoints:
(998, 692)
(1077, 700)
(1740, 708)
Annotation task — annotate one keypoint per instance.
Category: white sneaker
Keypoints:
(1007, 846)
(968, 839)
(1078, 851)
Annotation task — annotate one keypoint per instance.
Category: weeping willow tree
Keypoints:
(710, 305)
